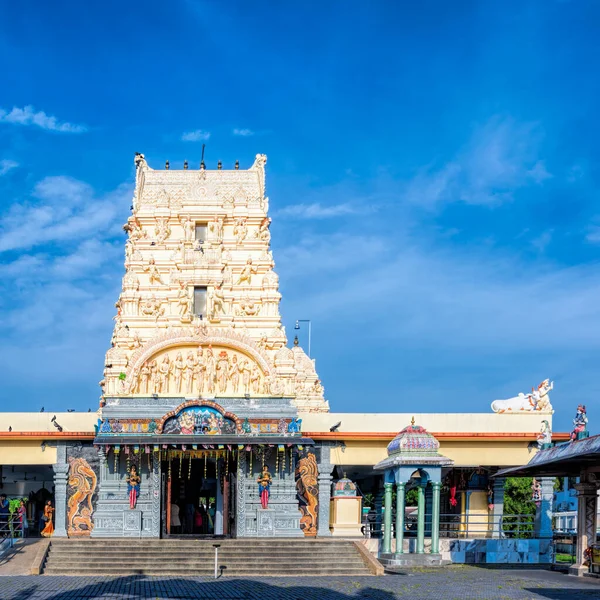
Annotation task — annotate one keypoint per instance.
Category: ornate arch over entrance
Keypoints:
(201, 417)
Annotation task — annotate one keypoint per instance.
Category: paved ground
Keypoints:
(451, 583)
(18, 560)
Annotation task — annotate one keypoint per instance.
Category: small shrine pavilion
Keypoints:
(413, 461)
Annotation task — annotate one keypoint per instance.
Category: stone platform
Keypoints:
(392, 561)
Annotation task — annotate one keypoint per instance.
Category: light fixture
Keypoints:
(297, 325)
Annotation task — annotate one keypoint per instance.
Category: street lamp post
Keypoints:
(297, 326)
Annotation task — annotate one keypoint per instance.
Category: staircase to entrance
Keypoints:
(194, 558)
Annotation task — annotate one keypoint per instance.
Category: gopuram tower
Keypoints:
(199, 383)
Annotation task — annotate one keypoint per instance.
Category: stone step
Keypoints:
(197, 555)
(282, 563)
(208, 572)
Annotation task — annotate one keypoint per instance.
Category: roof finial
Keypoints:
(412, 422)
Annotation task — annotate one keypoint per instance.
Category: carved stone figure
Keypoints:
(579, 423)
(240, 230)
(152, 307)
(133, 486)
(216, 227)
(140, 161)
(217, 302)
(544, 437)
(154, 376)
(255, 379)
(245, 372)
(234, 373)
(178, 369)
(249, 307)
(153, 271)
(191, 362)
(184, 301)
(263, 233)
(82, 485)
(537, 400)
(199, 370)
(222, 371)
(144, 384)
(227, 275)
(162, 230)
(308, 490)
(189, 229)
(164, 371)
(247, 272)
(211, 370)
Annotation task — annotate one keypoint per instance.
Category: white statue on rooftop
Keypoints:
(538, 400)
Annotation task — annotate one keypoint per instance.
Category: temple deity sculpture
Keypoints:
(199, 370)
(152, 307)
(189, 229)
(191, 362)
(162, 230)
(240, 230)
(255, 379)
(222, 371)
(579, 423)
(133, 486)
(216, 227)
(264, 486)
(245, 371)
(544, 437)
(164, 371)
(247, 272)
(211, 370)
(154, 376)
(184, 300)
(234, 373)
(135, 230)
(263, 233)
(153, 271)
(178, 369)
(217, 301)
(537, 400)
(249, 307)
(144, 378)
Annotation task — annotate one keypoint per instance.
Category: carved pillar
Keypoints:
(498, 507)
(400, 517)
(387, 526)
(61, 475)
(587, 505)
(435, 517)
(543, 512)
(420, 519)
(325, 469)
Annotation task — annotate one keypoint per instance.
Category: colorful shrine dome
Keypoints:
(344, 487)
(413, 439)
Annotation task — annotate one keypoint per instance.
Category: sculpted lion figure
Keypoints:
(82, 481)
(308, 489)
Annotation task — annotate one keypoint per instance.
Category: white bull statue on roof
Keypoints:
(537, 400)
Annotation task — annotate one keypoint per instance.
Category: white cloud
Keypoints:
(27, 116)
(7, 165)
(243, 132)
(500, 158)
(195, 136)
(316, 211)
(66, 210)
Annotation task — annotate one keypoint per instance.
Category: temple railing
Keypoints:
(459, 526)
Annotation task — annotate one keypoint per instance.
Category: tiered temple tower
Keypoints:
(199, 270)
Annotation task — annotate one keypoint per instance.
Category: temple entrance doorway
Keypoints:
(198, 496)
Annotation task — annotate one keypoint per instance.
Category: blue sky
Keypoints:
(432, 174)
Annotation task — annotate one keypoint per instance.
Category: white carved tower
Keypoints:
(198, 315)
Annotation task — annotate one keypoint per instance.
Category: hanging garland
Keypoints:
(190, 467)
(205, 464)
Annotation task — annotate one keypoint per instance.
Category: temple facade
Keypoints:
(200, 391)
(205, 409)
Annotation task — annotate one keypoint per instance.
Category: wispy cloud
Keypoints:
(316, 211)
(7, 165)
(61, 208)
(195, 136)
(243, 132)
(501, 157)
(28, 116)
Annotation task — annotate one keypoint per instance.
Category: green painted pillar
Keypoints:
(387, 519)
(400, 518)
(435, 518)
(421, 519)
